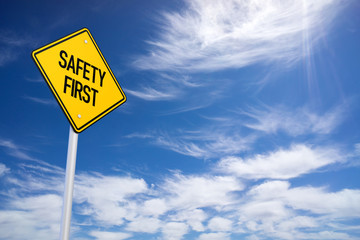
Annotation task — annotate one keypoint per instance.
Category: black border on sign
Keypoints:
(54, 92)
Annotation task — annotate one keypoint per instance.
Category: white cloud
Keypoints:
(357, 148)
(295, 122)
(174, 230)
(15, 150)
(145, 225)
(35, 216)
(214, 236)
(162, 86)
(36, 179)
(181, 146)
(298, 222)
(224, 136)
(10, 42)
(192, 192)
(207, 143)
(281, 164)
(107, 197)
(274, 209)
(43, 101)
(6, 56)
(35, 80)
(151, 94)
(154, 207)
(37, 203)
(266, 212)
(213, 35)
(21, 152)
(12, 39)
(205, 205)
(220, 224)
(3, 169)
(102, 235)
(31, 200)
(193, 217)
(326, 235)
(341, 204)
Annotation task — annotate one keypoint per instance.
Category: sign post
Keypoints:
(69, 185)
(86, 90)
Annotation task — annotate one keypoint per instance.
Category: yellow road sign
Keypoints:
(80, 78)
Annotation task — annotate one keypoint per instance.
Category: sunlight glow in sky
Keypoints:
(241, 122)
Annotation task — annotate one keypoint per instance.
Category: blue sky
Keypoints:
(241, 122)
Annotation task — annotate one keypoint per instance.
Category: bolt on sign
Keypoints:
(80, 78)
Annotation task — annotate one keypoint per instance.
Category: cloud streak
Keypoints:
(296, 122)
(10, 43)
(43, 101)
(3, 169)
(281, 164)
(216, 35)
(15, 150)
(151, 94)
(208, 143)
(20, 152)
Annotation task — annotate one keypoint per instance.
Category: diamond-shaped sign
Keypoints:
(80, 78)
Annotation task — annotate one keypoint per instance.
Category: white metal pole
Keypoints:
(69, 185)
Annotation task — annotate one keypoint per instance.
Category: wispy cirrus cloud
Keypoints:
(43, 101)
(215, 35)
(237, 131)
(187, 93)
(21, 152)
(35, 80)
(15, 150)
(10, 42)
(164, 86)
(207, 143)
(151, 94)
(294, 122)
(207, 36)
(3, 169)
